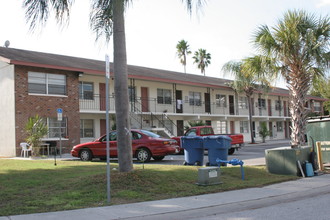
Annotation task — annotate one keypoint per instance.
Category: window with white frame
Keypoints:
(47, 83)
(86, 90)
(244, 126)
(55, 128)
(262, 103)
(164, 96)
(222, 127)
(86, 128)
(317, 106)
(242, 102)
(279, 126)
(220, 100)
(195, 98)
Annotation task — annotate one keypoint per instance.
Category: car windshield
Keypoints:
(150, 134)
(112, 137)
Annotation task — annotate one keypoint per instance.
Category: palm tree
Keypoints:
(182, 52)
(249, 77)
(203, 59)
(299, 47)
(36, 129)
(104, 13)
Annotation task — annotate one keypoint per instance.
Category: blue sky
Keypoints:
(153, 27)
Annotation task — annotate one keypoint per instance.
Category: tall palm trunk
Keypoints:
(298, 88)
(184, 63)
(124, 143)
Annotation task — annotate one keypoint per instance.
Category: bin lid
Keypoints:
(218, 137)
(191, 137)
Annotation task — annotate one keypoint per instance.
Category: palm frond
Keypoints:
(202, 59)
(264, 40)
(100, 20)
(193, 4)
(37, 12)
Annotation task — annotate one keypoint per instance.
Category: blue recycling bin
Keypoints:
(217, 146)
(193, 150)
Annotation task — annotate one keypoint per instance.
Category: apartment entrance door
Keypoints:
(103, 126)
(207, 102)
(180, 128)
(144, 99)
(102, 96)
(179, 101)
(269, 107)
(231, 105)
(232, 127)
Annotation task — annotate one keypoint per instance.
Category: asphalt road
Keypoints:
(250, 154)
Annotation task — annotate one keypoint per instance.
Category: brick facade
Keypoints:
(46, 106)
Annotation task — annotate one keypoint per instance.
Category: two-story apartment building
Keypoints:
(39, 83)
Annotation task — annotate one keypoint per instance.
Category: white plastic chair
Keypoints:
(25, 149)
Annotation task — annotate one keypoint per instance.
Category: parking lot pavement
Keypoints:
(250, 154)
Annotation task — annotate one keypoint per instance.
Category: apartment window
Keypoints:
(222, 127)
(279, 125)
(86, 90)
(278, 105)
(164, 96)
(46, 83)
(262, 103)
(242, 102)
(55, 128)
(220, 100)
(317, 106)
(244, 126)
(195, 98)
(86, 128)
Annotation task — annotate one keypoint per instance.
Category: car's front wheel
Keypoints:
(86, 155)
(143, 155)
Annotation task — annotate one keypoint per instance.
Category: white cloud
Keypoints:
(323, 3)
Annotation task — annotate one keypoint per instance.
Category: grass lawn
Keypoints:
(31, 186)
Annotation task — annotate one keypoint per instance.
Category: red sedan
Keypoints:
(145, 144)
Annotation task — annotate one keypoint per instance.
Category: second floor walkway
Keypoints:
(97, 104)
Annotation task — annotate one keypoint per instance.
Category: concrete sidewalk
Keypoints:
(180, 207)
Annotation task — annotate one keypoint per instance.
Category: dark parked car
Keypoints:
(145, 144)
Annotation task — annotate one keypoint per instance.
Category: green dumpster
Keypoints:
(318, 129)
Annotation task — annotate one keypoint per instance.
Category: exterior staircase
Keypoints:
(148, 121)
